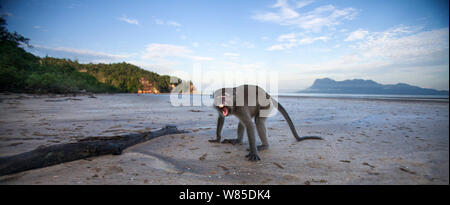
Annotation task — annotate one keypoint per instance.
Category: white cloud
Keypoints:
(247, 44)
(164, 50)
(155, 51)
(293, 40)
(233, 42)
(173, 23)
(159, 21)
(357, 35)
(276, 47)
(323, 16)
(129, 20)
(302, 4)
(231, 54)
(237, 43)
(37, 27)
(200, 58)
(167, 23)
(400, 54)
(393, 48)
(228, 65)
(287, 37)
(195, 44)
(405, 44)
(82, 52)
(285, 10)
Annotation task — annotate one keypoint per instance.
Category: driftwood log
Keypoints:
(87, 147)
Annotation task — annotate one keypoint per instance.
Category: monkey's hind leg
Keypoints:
(240, 135)
(262, 132)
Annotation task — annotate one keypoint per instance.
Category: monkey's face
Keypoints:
(223, 102)
(224, 110)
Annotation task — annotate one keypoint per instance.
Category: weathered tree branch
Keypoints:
(88, 147)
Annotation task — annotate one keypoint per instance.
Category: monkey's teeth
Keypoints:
(221, 106)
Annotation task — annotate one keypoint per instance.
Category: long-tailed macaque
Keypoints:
(247, 102)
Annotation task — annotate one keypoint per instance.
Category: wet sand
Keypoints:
(366, 141)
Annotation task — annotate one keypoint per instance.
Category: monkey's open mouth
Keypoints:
(224, 111)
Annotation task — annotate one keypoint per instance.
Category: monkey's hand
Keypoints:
(232, 141)
(253, 157)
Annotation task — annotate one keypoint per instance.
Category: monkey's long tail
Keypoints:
(291, 125)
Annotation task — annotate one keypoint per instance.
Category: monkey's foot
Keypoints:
(253, 157)
(232, 141)
(214, 141)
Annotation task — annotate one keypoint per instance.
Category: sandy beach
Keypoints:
(366, 141)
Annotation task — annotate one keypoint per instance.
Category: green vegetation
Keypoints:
(21, 71)
(123, 76)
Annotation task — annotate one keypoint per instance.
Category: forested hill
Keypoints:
(21, 71)
(123, 76)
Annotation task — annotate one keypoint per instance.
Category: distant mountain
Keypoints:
(359, 86)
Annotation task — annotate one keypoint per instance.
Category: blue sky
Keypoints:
(388, 41)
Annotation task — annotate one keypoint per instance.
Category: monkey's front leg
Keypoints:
(250, 127)
(240, 135)
(220, 122)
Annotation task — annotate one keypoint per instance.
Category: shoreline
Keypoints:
(366, 97)
(395, 99)
(406, 98)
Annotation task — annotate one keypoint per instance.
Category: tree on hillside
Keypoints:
(6, 36)
(13, 59)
